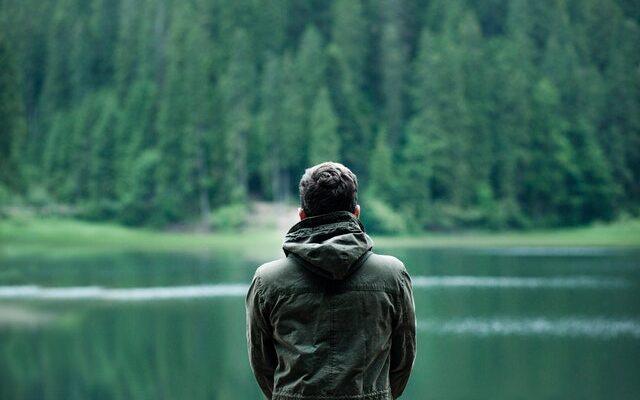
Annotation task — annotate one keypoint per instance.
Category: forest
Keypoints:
(499, 114)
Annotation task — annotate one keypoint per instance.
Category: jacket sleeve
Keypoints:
(262, 355)
(403, 339)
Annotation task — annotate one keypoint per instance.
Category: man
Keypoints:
(332, 320)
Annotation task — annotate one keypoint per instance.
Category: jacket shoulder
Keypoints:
(279, 274)
(386, 265)
(273, 269)
(387, 261)
(383, 270)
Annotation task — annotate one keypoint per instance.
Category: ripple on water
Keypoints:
(122, 294)
(497, 282)
(602, 328)
(541, 251)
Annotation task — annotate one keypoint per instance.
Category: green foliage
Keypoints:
(379, 217)
(138, 203)
(382, 181)
(324, 143)
(57, 153)
(228, 218)
(12, 119)
(237, 86)
(507, 114)
(393, 77)
(105, 153)
(5, 198)
(269, 132)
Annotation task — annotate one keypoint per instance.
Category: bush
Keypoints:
(231, 217)
(38, 197)
(138, 205)
(378, 217)
(99, 210)
(5, 199)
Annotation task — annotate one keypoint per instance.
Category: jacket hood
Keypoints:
(331, 245)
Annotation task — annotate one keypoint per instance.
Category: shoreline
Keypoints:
(59, 234)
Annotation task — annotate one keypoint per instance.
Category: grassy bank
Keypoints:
(31, 234)
(18, 235)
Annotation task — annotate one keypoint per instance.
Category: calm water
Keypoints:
(519, 323)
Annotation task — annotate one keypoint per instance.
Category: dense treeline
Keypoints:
(452, 112)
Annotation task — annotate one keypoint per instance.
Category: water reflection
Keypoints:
(601, 328)
(129, 294)
(501, 282)
(150, 326)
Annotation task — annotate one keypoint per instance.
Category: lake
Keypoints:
(493, 323)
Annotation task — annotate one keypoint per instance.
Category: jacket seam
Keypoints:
(332, 335)
(320, 291)
(340, 397)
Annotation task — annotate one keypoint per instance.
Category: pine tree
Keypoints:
(136, 208)
(394, 60)
(57, 156)
(127, 48)
(346, 76)
(295, 133)
(620, 124)
(134, 131)
(324, 142)
(86, 121)
(310, 64)
(12, 120)
(57, 89)
(82, 58)
(382, 183)
(552, 173)
(171, 127)
(419, 154)
(103, 161)
(269, 132)
(182, 121)
(237, 90)
(103, 34)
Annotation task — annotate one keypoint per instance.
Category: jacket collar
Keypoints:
(329, 245)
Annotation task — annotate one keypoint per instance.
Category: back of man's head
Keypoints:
(328, 187)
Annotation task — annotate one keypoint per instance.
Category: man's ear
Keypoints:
(356, 211)
(301, 214)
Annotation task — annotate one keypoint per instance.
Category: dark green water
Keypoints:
(493, 324)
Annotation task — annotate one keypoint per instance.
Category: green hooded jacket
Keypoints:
(332, 320)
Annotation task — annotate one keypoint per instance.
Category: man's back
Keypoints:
(332, 320)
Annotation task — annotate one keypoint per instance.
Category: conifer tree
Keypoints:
(324, 142)
(182, 119)
(127, 51)
(171, 127)
(12, 120)
(425, 155)
(57, 156)
(238, 95)
(552, 171)
(134, 130)
(86, 121)
(310, 64)
(382, 183)
(393, 79)
(269, 132)
(57, 89)
(346, 76)
(294, 129)
(103, 168)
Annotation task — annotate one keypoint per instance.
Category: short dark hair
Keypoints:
(328, 187)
